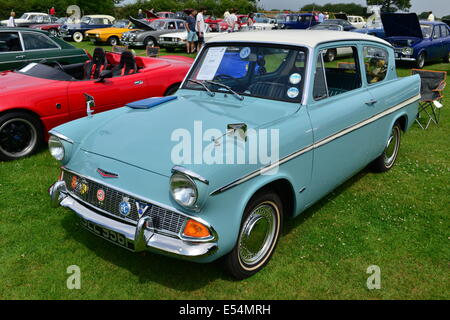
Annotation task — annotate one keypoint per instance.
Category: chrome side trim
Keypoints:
(316, 145)
(190, 173)
(60, 136)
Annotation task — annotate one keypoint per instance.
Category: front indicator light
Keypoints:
(195, 229)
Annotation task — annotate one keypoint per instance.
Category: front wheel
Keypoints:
(149, 42)
(258, 236)
(78, 37)
(20, 135)
(420, 63)
(113, 41)
(387, 159)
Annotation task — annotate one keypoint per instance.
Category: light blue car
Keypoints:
(260, 130)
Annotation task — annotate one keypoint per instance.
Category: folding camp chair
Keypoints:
(432, 87)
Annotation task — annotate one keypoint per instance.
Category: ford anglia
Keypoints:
(260, 129)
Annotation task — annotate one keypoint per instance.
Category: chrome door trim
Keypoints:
(316, 145)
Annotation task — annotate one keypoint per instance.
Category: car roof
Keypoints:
(22, 29)
(309, 38)
(100, 16)
(431, 22)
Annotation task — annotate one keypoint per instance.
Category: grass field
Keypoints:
(399, 221)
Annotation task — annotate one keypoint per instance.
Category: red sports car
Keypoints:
(43, 95)
(52, 27)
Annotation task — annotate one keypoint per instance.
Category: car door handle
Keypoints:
(20, 57)
(138, 82)
(371, 102)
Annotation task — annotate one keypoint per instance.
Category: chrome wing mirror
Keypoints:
(90, 104)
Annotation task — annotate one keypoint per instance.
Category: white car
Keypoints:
(27, 17)
(265, 24)
(171, 41)
(357, 21)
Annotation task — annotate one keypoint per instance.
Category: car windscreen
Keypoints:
(426, 30)
(158, 24)
(39, 70)
(256, 70)
(121, 24)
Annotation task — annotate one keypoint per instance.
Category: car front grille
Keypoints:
(164, 220)
(168, 39)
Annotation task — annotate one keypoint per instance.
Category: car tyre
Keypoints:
(150, 42)
(330, 55)
(78, 37)
(53, 32)
(387, 159)
(260, 230)
(420, 63)
(113, 41)
(447, 58)
(21, 135)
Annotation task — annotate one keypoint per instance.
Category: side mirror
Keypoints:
(103, 75)
(90, 104)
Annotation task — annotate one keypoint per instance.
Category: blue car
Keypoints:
(213, 171)
(77, 31)
(417, 41)
(298, 21)
(376, 32)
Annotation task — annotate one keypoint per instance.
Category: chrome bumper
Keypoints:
(142, 238)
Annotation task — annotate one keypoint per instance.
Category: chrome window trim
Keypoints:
(39, 59)
(58, 47)
(316, 145)
(21, 43)
(190, 173)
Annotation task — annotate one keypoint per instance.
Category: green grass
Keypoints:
(398, 221)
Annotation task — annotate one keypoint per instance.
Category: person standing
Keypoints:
(140, 14)
(192, 35)
(250, 21)
(52, 11)
(430, 16)
(200, 27)
(232, 20)
(321, 17)
(11, 22)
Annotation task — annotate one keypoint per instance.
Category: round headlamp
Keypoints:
(183, 190)
(56, 148)
(407, 51)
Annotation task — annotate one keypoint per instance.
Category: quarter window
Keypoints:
(37, 42)
(10, 42)
(444, 31)
(376, 64)
(336, 77)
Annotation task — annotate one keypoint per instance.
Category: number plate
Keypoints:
(109, 235)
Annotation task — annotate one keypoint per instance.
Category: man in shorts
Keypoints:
(200, 27)
(192, 35)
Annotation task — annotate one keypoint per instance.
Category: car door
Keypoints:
(434, 49)
(39, 46)
(445, 41)
(112, 93)
(12, 55)
(338, 107)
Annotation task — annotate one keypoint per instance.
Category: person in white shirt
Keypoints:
(11, 22)
(430, 16)
(200, 27)
(231, 21)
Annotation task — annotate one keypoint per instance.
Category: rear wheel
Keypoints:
(149, 42)
(420, 63)
(114, 41)
(20, 135)
(78, 37)
(387, 159)
(258, 236)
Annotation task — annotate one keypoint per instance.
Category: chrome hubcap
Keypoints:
(257, 234)
(390, 153)
(17, 138)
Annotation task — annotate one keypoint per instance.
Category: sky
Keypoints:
(439, 7)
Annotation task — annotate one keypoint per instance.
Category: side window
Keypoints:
(171, 25)
(444, 31)
(37, 42)
(376, 62)
(10, 42)
(436, 33)
(336, 77)
(180, 25)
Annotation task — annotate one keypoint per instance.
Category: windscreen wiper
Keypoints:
(235, 94)
(210, 93)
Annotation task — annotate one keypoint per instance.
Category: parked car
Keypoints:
(149, 191)
(420, 42)
(177, 40)
(241, 23)
(25, 19)
(20, 46)
(150, 31)
(357, 21)
(265, 24)
(344, 23)
(298, 21)
(376, 32)
(76, 31)
(213, 23)
(50, 27)
(259, 16)
(40, 96)
(38, 20)
(111, 35)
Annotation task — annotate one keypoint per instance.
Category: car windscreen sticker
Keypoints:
(245, 53)
(295, 78)
(293, 93)
(211, 63)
